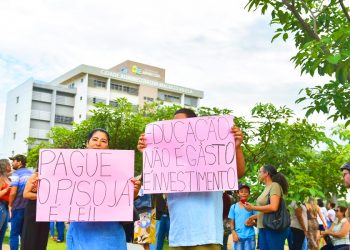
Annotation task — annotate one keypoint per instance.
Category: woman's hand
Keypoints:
(250, 222)
(248, 206)
(141, 143)
(238, 135)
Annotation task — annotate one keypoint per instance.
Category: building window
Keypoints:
(148, 99)
(17, 99)
(99, 84)
(81, 80)
(71, 86)
(81, 98)
(14, 135)
(16, 117)
(169, 97)
(79, 116)
(113, 104)
(63, 119)
(94, 100)
(13, 152)
(130, 90)
(124, 88)
(117, 87)
(191, 101)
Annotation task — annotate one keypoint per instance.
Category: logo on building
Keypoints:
(138, 71)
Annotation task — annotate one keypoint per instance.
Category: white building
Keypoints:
(34, 107)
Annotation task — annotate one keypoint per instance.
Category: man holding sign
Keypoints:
(193, 160)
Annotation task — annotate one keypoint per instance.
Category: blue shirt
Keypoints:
(240, 215)
(19, 179)
(195, 218)
(96, 235)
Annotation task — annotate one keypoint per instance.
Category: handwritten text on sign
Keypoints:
(190, 155)
(85, 185)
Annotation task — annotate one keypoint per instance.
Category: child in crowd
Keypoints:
(243, 234)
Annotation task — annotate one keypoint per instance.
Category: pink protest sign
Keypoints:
(190, 155)
(85, 185)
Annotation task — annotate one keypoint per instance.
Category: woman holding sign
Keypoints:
(97, 235)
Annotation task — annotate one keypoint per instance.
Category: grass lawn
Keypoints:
(52, 245)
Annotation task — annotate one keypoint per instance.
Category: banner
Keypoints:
(190, 155)
(85, 185)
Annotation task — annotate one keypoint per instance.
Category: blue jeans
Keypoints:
(4, 218)
(162, 230)
(16, 227)
(272, 240)
(305, 244)
(59, 228)
(244, 244)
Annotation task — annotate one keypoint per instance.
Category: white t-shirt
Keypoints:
(331, 214)
(195, 218)
(324, 215)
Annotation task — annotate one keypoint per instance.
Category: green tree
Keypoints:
(321, 32)
(273, 136)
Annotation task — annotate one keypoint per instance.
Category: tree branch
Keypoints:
(304, 25)
(345, 11)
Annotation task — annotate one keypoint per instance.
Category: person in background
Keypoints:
(34, 234)
(5, 169)
(98, 235)
(59, 229)
(313, 228)
(196, 218)
(242, 221)
(324, 214)
(226, 199)
(17, 203)
(275, 186)
(346, 174)
(346, 178)
(339, 231)
(331, 213)
(298, 225)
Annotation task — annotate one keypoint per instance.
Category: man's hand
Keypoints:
(238, 135)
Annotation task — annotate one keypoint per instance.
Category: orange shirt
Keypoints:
(6, 196)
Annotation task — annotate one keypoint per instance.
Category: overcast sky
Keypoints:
(214, 46)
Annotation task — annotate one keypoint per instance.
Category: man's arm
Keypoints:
(238, 135)
(240, 162)
(13, 194)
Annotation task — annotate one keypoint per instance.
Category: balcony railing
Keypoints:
(43, 97)
(40, 115)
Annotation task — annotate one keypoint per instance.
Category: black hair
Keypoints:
(332, 204)
(188, 112)
(277, 177)
(342, 210)
(320, 203)
(92, 132)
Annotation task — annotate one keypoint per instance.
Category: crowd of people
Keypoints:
(190, 220)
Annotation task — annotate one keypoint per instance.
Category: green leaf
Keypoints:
(334, 59)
